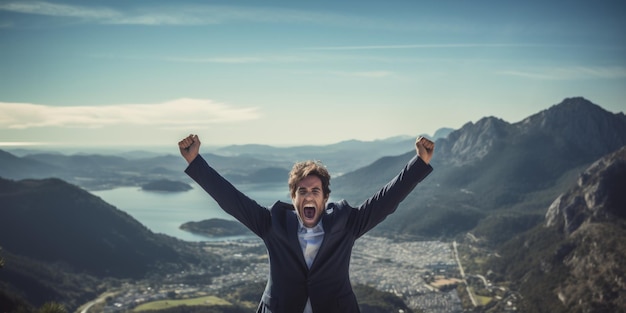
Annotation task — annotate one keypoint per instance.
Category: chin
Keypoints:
(309, 223)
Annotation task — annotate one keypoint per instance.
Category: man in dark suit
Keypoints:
(309, 241)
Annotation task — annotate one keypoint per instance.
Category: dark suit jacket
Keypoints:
(327, 282)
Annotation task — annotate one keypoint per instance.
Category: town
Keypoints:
(423, 273)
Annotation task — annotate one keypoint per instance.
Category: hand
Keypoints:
(189, 147)
(424, 148)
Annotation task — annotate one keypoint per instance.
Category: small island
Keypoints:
(166, 185)
(216, 227)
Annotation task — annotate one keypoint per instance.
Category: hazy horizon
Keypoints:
(23, 148)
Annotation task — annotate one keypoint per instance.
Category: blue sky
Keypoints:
(144, 73)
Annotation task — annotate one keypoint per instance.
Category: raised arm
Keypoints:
(230, 199)
(386, 200)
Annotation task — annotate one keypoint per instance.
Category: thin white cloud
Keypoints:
(570, 73)
(60, 10)
(196, 113)
(173, 15)
(21, 143)
(185, 14)
(104, 15)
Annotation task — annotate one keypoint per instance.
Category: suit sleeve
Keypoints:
(386, 200)
(254, 216)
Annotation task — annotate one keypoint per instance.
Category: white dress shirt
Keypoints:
(310, 241)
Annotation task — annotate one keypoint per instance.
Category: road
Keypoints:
(85, 307)
(458, 261)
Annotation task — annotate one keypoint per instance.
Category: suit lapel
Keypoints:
(328, 222)
(292, 237)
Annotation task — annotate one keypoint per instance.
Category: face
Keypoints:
(309, 200)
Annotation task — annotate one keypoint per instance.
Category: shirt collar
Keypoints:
(315, 229)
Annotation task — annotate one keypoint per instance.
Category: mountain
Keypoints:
(239, 163)
(575, 260)
(535, 151)
(389, 146)
(442, 133)
(492, 171)
(341, 157)
(574, 126)
(19, 168)
(26, 283)
(264, 175)
(216, 227)
(61, 243)
(94, 171)
(40, 218)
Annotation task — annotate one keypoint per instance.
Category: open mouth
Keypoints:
(309, 212)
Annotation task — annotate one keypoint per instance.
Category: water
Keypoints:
(164, 212)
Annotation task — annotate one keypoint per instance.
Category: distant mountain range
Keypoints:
(91, 171)
(340, 158)
(240, 164)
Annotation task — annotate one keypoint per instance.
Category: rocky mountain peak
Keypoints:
(576, 126)
(473, 141)
(578, 121)
(561, 114)
(598, 196)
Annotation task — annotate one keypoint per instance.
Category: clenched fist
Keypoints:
(189, 147)
(424, 148)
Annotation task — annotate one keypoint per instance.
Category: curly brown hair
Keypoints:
(303, 169)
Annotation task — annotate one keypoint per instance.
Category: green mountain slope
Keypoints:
(61, 243)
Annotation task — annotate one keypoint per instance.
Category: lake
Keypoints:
(164, 212)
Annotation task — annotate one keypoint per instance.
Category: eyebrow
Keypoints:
(304, 188)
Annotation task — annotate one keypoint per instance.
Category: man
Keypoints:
(309, 242)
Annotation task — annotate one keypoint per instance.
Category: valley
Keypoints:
(427, 275)
(535, 208)
(407, 269)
